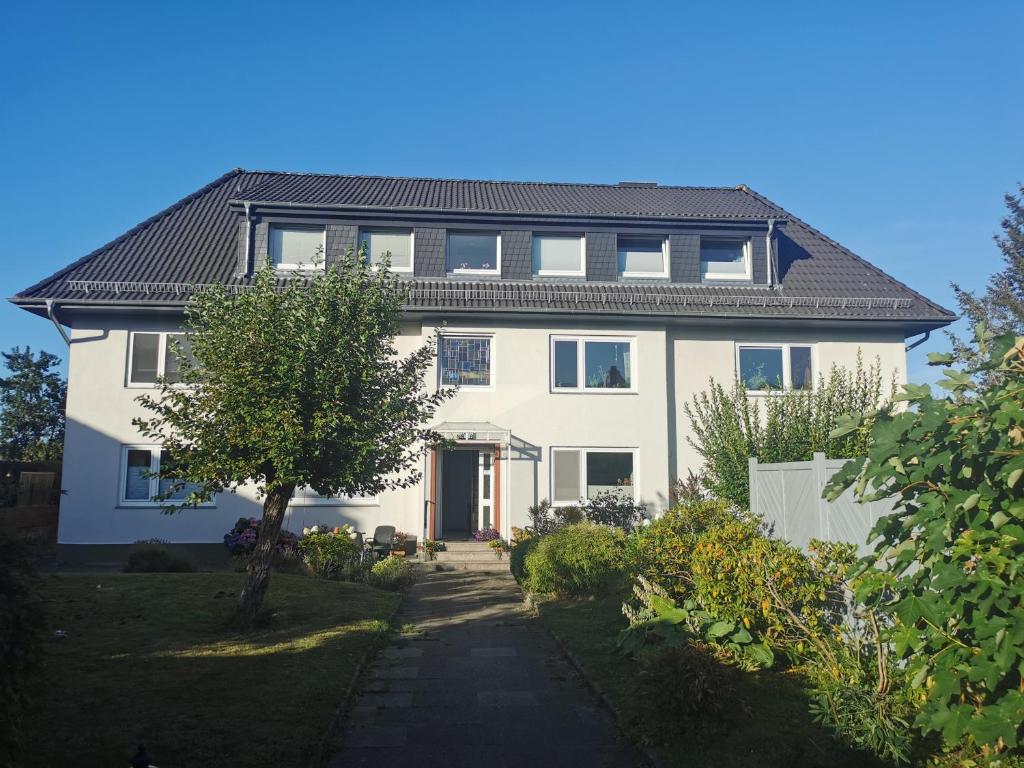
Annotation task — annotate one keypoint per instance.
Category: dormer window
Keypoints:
(474, 253)
(297, 247)
(724, 258)
(559, 255)
(642, 256)
(396, 243)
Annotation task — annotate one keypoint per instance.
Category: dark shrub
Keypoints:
(21, 627)
(580, 559)
(157, 560)
(611, 508)
(688, 685)
(517, 559)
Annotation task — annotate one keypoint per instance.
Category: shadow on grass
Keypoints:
(151, 658)
(764, 722)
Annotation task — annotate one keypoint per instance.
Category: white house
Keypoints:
(579, 318)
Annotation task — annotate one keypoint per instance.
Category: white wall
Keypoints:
(702, 353)
(101, 408)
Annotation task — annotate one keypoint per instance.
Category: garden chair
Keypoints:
(382, 542)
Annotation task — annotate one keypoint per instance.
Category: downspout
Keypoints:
(248, 266)
(919, 342)
(51, 313)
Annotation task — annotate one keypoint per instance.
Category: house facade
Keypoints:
(575, 319)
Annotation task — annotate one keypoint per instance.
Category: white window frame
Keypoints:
(466, 387)
(392, 231)
(154, 482)
(581, 360)
(466, 271)
(664, 273)
(312, 267)
(311, 498)
(161, 360)
(787, 372)
(581, 272)
(583, 450)
(747, 261)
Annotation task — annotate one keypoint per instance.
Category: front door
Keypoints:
(459, 492)
(467, 491)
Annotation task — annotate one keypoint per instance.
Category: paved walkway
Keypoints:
(478, 683)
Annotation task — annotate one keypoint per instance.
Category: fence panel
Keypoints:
(789, 497)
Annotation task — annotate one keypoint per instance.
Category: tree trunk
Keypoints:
(262, 557)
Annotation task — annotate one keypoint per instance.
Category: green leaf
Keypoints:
(760, 654)
(719, 629)
(940, 358)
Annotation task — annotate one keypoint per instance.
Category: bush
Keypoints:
(391, 573)
(584, 558)
(331, 554)
(241, 540)
(21, 627)
(687, 684)
(157, 560)
(729, 426)
(611, 508)
(517, 558)
(661, 552)
(948, 568)
(546, 519)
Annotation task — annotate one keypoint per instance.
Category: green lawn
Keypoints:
(767, 726)
(151, 658)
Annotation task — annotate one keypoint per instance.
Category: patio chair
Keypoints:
(382, 541)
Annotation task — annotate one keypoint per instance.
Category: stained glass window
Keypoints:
(466, 361)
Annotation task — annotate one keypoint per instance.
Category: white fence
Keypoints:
(789, 497)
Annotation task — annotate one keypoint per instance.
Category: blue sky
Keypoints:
(893, 127)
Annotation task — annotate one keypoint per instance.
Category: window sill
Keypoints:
(155, 505)
(592, 391)
(333, 503)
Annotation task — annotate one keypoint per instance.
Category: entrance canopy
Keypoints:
(474, 432)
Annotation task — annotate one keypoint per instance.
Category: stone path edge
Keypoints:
(324, 751)
(656, 761)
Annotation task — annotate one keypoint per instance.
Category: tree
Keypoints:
(948, 565)
(294, 383)
(1001, 307)
(32, 402)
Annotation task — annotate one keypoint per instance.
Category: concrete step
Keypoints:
(495, 566)
(466, 546)
(466, 556)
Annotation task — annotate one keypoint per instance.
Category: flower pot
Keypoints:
(398, 553)
(410, 546)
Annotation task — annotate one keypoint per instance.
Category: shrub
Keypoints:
(517, 558)
(546, 519)
(331, 554)
(157, 560)
(392, 573)
(948, 569)
(661, 552)
(21, 627)
(729, 426)
(687, 684)
(241, 539)
(584, 558)
(611, 508)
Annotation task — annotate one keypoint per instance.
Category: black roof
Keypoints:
(196, 241)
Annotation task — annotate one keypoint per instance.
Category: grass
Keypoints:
(151, 658)
(768, 725)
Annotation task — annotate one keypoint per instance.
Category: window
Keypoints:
(152, 355)
(579, 474)
(724, 259)
(141, 484)
(295, 247)
(598, 364)
(474, 253)
(559, 255)
(641, 256)
(466, 361)
(397, 243)
(773, 367)
(305, 496)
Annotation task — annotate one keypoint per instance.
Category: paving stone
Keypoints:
(507, 698)
(394, 673)
(490, 653)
